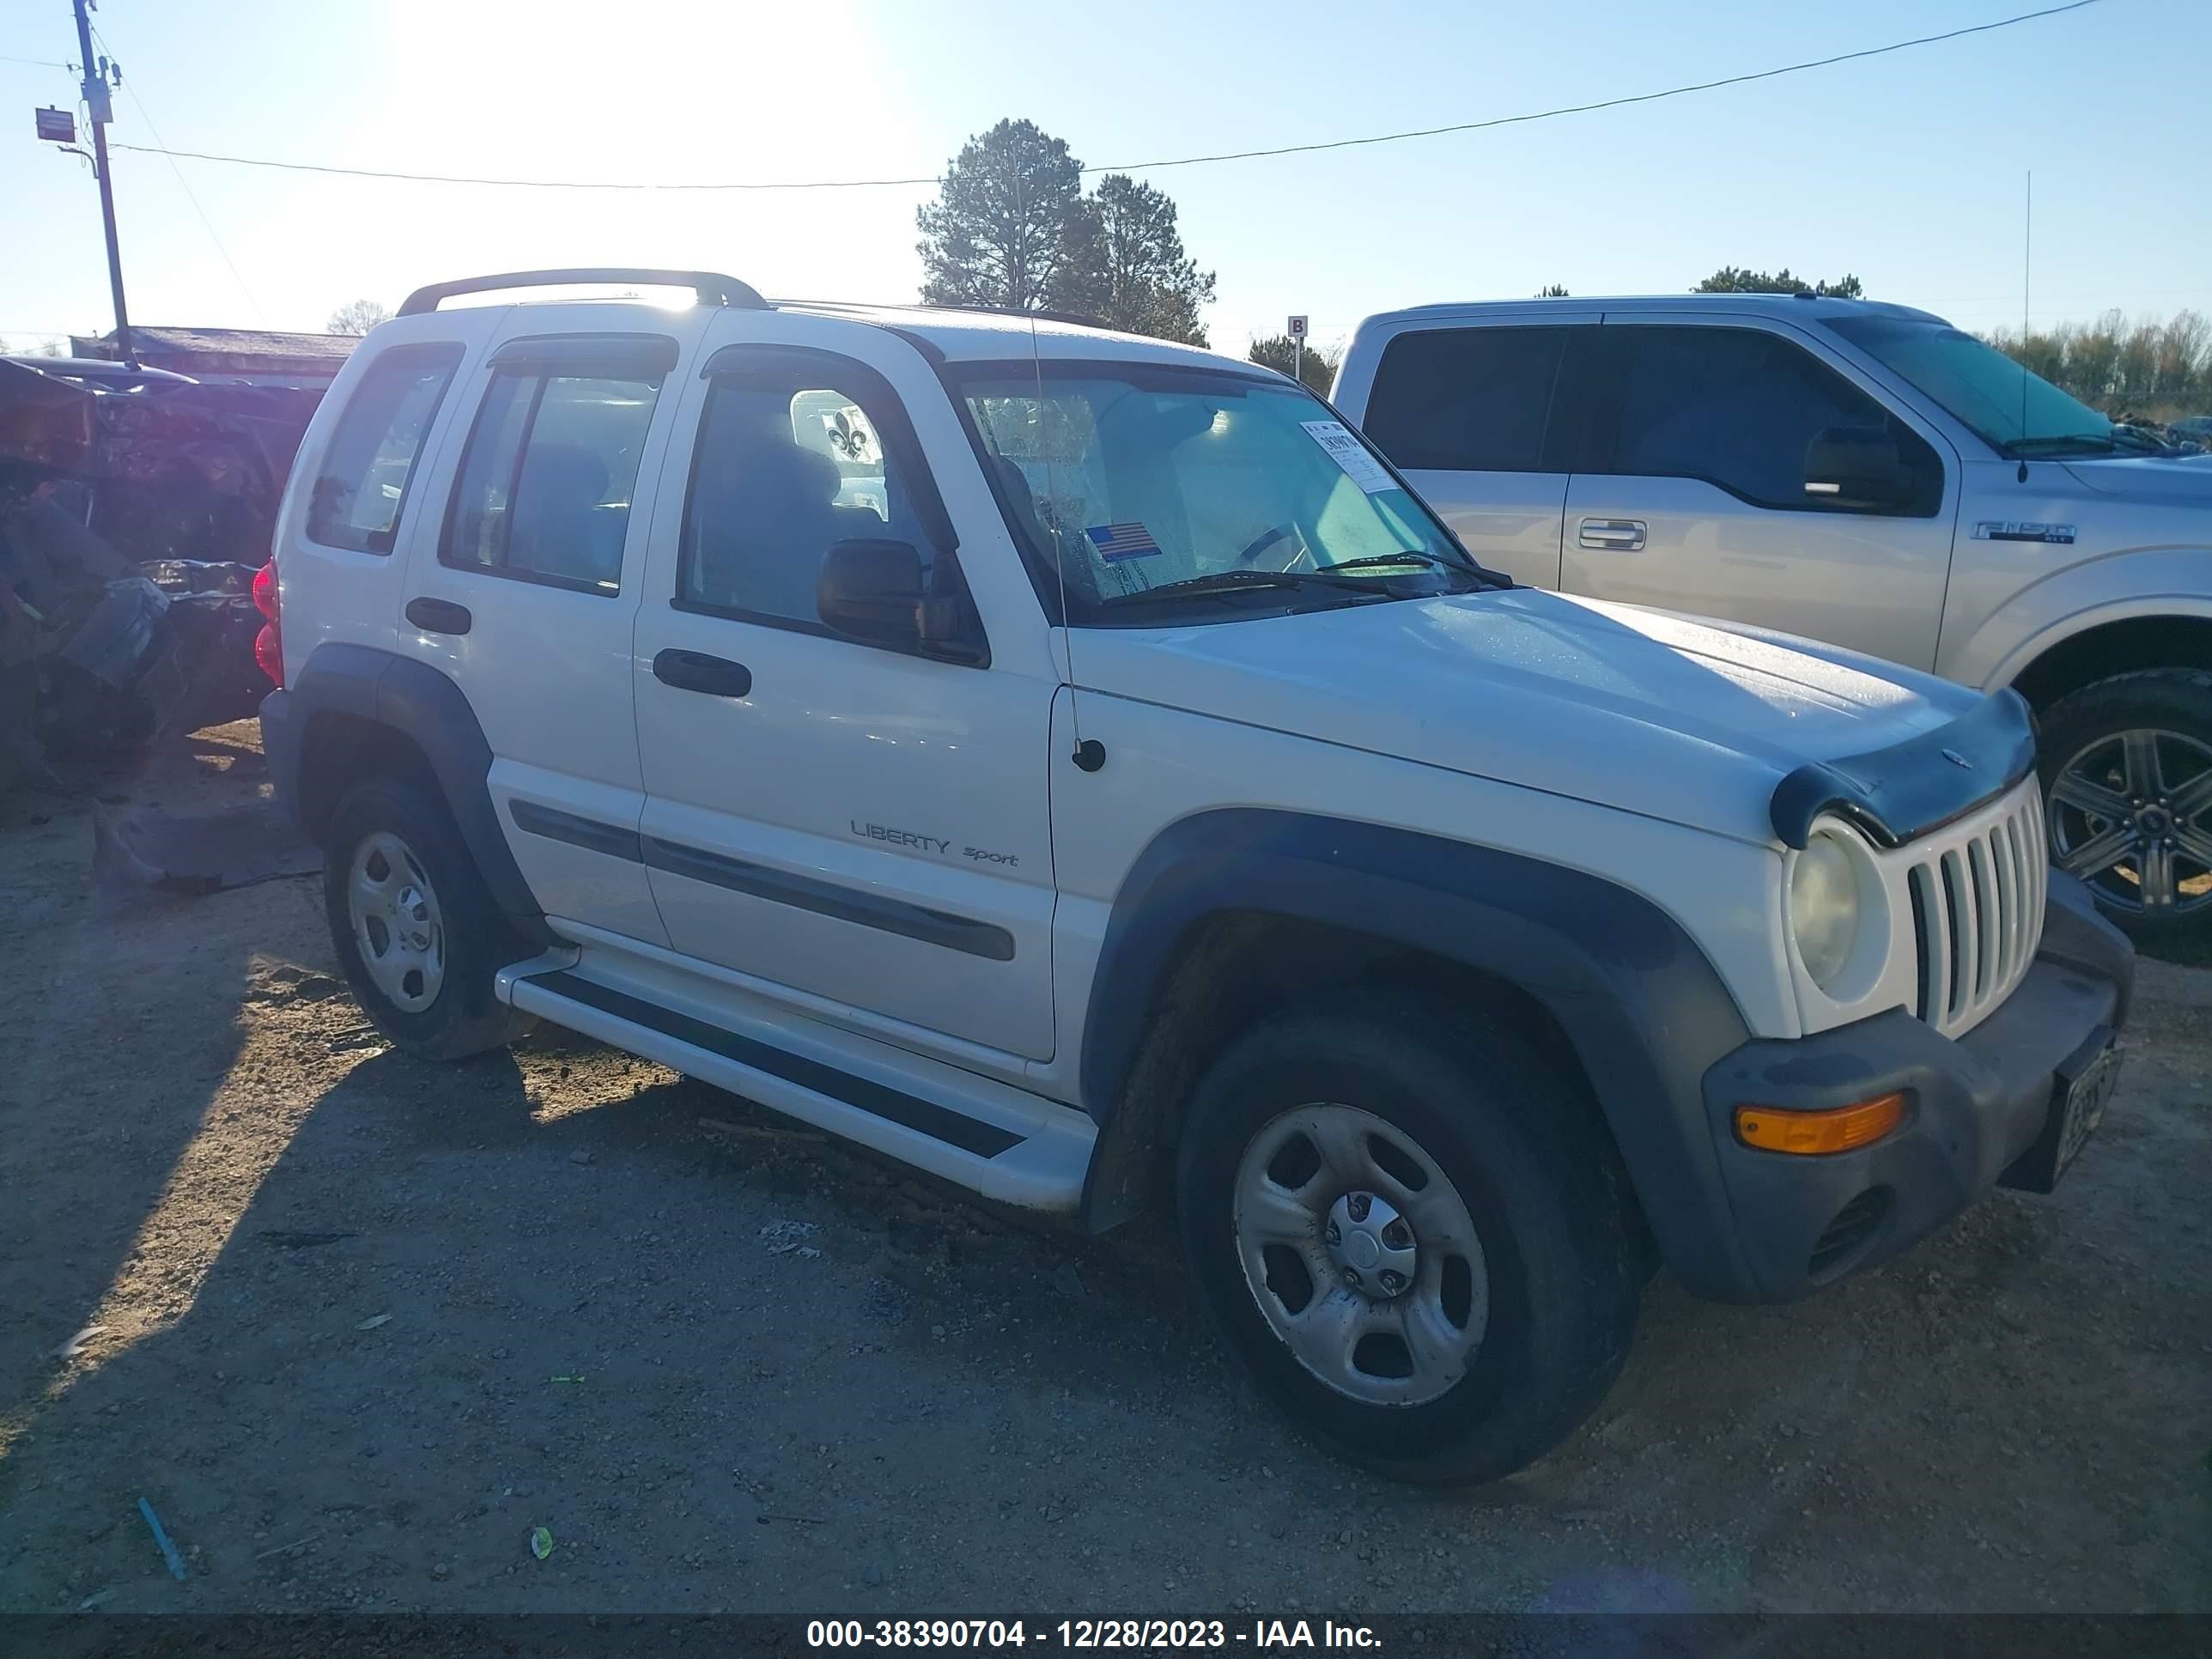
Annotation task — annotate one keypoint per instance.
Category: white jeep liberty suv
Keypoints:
(1077, 766)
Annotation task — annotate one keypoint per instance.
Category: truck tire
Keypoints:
(1413, 1230)
(2126, 766)
(415, 930)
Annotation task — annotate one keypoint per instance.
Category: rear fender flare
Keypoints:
(433, 713)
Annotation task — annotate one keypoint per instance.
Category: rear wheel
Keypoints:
(2127, 779)
(1415, 1233)
(415, 928)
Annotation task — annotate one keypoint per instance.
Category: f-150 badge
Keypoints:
(1999, 530)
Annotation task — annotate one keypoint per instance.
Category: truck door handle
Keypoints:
(695, 670)
(439, 615)
(1623, 535)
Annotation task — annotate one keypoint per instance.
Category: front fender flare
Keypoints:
(1641, 1004)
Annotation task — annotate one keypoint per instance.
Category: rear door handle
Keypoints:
(695, 670)
(1623, 535)
(439, 615)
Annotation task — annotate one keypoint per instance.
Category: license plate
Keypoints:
(2079, 1095)
(2081, 1106)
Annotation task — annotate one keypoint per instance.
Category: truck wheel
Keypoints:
(416, 932)
(2127, 783)
(1413, 1230)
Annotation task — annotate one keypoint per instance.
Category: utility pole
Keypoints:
(101, 110)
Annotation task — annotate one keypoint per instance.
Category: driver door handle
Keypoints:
(1622, 535)
(695, 670)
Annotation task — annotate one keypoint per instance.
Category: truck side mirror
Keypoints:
(874, 589)
(871, 589)
(1858, 467)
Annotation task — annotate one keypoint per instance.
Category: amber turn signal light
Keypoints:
(1773, 1130)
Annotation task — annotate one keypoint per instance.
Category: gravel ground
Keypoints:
(364, 1323)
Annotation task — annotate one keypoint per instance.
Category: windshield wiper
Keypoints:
(1473, 572)
(1403, 556)
(1245, 581)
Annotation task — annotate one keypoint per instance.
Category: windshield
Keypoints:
(1170, 494)
(2002, 402)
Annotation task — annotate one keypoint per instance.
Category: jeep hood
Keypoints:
(1642, 710)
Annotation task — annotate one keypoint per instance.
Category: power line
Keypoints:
(1611, 103)
(207, 224)
(1134, 166)
(35, 63)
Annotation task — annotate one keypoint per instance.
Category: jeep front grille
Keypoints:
(1978, 895)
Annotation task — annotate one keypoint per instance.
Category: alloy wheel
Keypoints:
(2131, 815)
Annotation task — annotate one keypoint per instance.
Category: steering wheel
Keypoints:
(1249, 558)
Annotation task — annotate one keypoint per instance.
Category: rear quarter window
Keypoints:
(361, 483)
(1467, 399)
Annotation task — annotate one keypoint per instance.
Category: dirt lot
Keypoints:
(365, 1323)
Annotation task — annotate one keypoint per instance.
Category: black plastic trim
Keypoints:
(646, 357)
(710, 288)
(1643, 1008)
(737, 613)
(962, 933)
(877, 1099)
(1977, 1104)
(431, 711)
(1899, 794)
(587, 833)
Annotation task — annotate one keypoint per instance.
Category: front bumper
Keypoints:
(1977, 1104)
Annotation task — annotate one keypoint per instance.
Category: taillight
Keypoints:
(269, 643)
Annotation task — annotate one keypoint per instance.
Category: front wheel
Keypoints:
(1414, 1232)
(2127, 783)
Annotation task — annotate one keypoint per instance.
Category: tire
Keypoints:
(400, 890)
(1548, 1291)
(2098, 743)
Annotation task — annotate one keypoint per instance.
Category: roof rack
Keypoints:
(1078, 318)
(712, 288)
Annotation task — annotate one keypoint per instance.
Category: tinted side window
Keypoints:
(362, 482)
(1467, 399)
(787, 465)
(1741, 408)
(546, 481)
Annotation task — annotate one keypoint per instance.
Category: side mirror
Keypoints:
(1858, 467)
(871, 589)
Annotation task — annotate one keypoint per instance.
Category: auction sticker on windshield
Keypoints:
(1352, 455)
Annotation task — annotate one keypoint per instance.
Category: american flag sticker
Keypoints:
(1116, 542)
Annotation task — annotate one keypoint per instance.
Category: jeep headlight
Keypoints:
(1825, 907)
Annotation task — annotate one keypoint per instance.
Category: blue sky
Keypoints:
(1906, 169)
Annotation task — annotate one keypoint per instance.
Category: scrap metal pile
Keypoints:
(135, 508)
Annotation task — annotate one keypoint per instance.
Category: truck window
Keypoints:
(1467, 399)
(362, 484)
(1738, 408)
(546, 482)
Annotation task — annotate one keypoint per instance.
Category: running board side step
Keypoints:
(1027, 1152)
